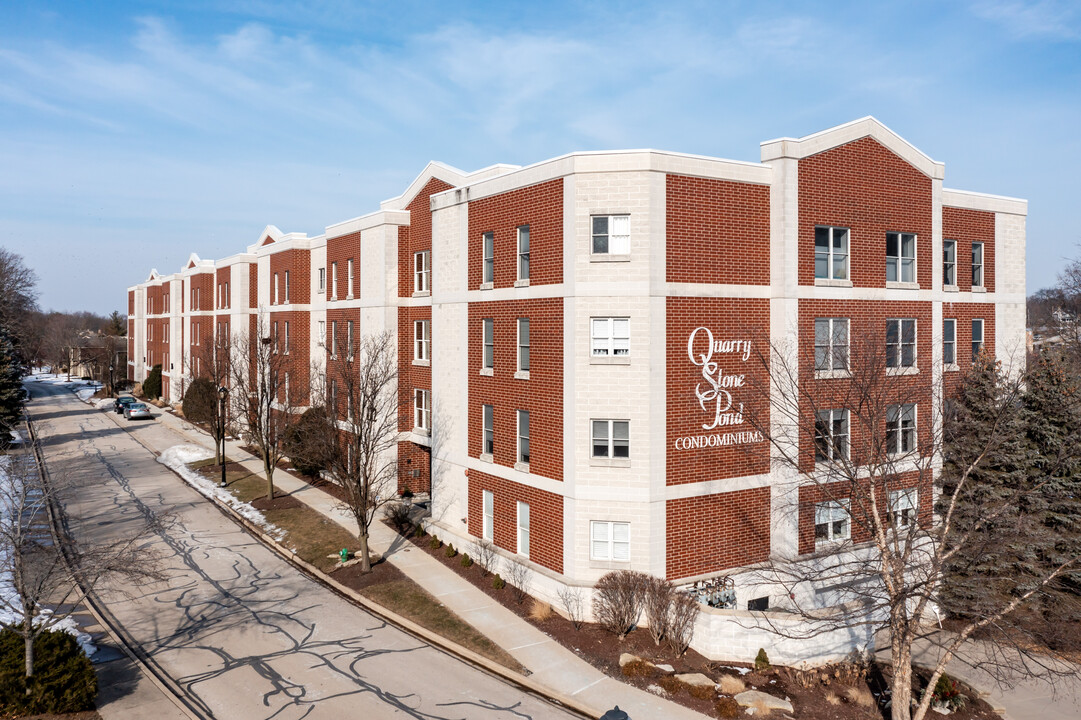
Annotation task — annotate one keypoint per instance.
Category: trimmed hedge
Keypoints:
(63, 681)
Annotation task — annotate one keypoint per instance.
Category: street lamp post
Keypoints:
(223, 392)
(109, 389)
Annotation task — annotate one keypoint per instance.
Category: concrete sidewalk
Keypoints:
(548, 662)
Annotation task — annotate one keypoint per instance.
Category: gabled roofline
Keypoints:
(194, 265)
(269, 235)
(447, 174)
(799, 148)
(364, 222)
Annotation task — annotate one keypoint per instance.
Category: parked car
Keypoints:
(137, 410)
(122, 402)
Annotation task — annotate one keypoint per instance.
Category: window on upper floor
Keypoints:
(487, 439)
(611, 234)
(831, 435)
(286, 338)
(333, 339)
(977, 264)
(227, 300)
(422, 416)
(900, 429)
(831, 344)
(334, 280)
(949, 263)
(831, 253)
(487, 531)
(523, 436)
(523, 252)
(274, 287)
(900, 343)
(349, 340)
(949, 341)
(488, 258)
(349, 278)
(900, 257)
(322, 279)
(286, 293)
(322, 329)
(611, 438)
(488, 344)
(832, 521)
(903, 506)
(610, 336)
(422, 272)
(523, 344)
(422, 340)
(523, 528)
(275, 337)
(977, 338)
(609, 541)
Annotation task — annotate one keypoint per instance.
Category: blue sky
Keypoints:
(132, 134)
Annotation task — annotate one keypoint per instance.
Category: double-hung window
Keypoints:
(488, 344)
(334, 280)
(488, 510)
(977, 338)
(333, 339)
(611, 438)
(901, 343)
(488, 257)
(900, 429)
(286, 293)
(949, 262)
(611, 234)
(487, 440)
(322, 329)
(523, 344)
(286, 343)
(831, 253)
(610, 337)
(421, 340)
(523, 529)
(275, 337)
(831, 435)
(610, 541)
(322, 280)
(949, 341)
(349, 340)
(832, 521)
(277, 281)
(977, 264)
(422, 271)
(831, 344)
(227, 303)
(903, 506)
(523, 436)
(349, 278)
(422, 410)
(523, 252)
(900, 257)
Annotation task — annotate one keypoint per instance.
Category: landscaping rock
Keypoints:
(755, 698)
(696, 680)
(667, 669)
(627, 658)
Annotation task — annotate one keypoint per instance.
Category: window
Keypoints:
(489, 343)
(903, 505)
(227, 303)
(322, 279)
(286, 301)
(334, 339)
(488, 508)
(831, 344)
(286, 387)
(488, 241)
(349, 406)
(523, 344)
(611, 438)
(900, 429)
(949, 262)
(610, 541)
(349, 278)
(977, 338)
(523, 436)
(831, 253)
(487, 443)
(422, 415)
(349, 340)
(977, 264)
(523, 252)
(421, 340)
(422, 271)
(523, 528)
(900, 343)
(332, 398)
(334, 280)
(611, 337)
(611, 234)
(286, 344)
(949, 341)
(900, 257)
(275, 337)
(831, 435)
(276, 281)
(832, 521)
(322, 332)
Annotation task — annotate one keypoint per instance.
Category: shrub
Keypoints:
(617, 602)
(397, 515)
(520, 577)
(63, 681)
(418, 531)
(200, 401)
(298, 441)
(152, 384)
(656, 598)
(727, 709)
(638, 668)
(540, 610)
(761, 660)
(731, 685)
(435, 543)
(466, 561)
(498, 583)
(682, 612)
(670, 684)
(450, 551)
(487, 558)
(947, 693)
(702, 692)
(573, 604)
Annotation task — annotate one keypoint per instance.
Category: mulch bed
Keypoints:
(280, 502)
(353, 578)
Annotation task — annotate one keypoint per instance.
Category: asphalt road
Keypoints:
(244, 633)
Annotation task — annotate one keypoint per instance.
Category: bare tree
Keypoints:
(263, 394)
(359, 449)
(42, 562)
(879, 518)
(18, 302)
(573, 603)
(212, 359)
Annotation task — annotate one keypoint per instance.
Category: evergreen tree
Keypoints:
(12, 394)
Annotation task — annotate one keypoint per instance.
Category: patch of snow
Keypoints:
(16, 438)
(105, 403)
(740, 670)
(179, 457)
(657, 690)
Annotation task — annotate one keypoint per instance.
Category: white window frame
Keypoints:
(487, 430)
(608, 438)
(603, 340)
(277, 280)
(349, 340)
(903, 266)
(285, 345)
(834, 355)
(349, 278)
(616, 241)
(487, 501)
(949, 342)
(286, 388)
(275, 337)
(286, 279)
(322, 280)
(523, 255)
(422, 409)
(487, 346)
(977, 267)
(422, 272)
(828, 515)
(487, 242)
(895, 351)
(901, 429)
(904, 507)
(949, 263)
(322, 329)
(977, 345)
(523, 347)
(832, 435)
(523, 528)
(333, 339)
(832, 254)
(522, 437)
(334, 280)
(603, 545)
(422, 340)
(228, 298)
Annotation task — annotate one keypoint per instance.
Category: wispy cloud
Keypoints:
(1045, 19)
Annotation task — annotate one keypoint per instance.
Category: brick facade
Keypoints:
(545, 516)
(967, 227)
(711, 533)
(538, 206)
